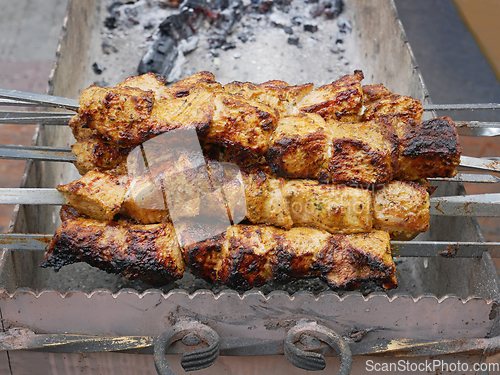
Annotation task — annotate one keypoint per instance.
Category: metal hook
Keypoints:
(191, 333)
(315, 361)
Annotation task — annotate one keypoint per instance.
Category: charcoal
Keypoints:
(108, 48)
(293, 40)
(345, 26)
(243, 37)
(111, 22)
(297, 21)
(334, 9)
(160, 57)
(97, 68)
(318, 10)
(261, 6)
(176, 26)
(312, 27)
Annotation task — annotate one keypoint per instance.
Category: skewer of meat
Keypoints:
(342, 132)
(221, 189)
(241, 256)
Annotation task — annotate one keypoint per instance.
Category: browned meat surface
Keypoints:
(249, 256)
(275, 94)
(241, 124)
(149, 253)
(93, 154)
(341, 100)
(362, 153)
(300, 147)
(402, 209)
(374, 92)
(265, 199)
(334, 151)
(98, 195)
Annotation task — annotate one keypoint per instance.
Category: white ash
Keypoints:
(258, 47)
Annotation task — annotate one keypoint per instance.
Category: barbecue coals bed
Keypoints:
(444, 307)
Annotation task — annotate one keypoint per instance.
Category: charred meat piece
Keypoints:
(429, 149)
(334, 151)
(245, 256)
(362, 153)
(300, 147)
(98, 195)
(239, 257)
(402, 209)
(149, 253)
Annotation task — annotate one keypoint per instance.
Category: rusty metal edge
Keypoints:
(249, 294)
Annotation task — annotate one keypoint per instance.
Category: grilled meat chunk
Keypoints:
(334, 208)
(375, 92)
(93, 154)
(98, 195)
(149, 253)
(341, 100)
(362, 153)
(246, 256)
(402, 209)
(300, 147)
(334, 151)
(265, 199)
(429, 149)
(275, 94)
(240, 124)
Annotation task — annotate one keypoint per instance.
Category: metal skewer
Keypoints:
(485, 205)
(38, 242)
(31, 117)
(40, 99)
(467, 107)
(468, 177)
(64, 154)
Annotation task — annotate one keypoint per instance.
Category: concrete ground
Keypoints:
(453, 67)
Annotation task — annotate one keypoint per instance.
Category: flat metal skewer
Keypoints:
(469, 177)
(64, 154)
(16, 152)
(468, 107)
(40, 99)
(484, 205)
(39, 242)
(31, 117)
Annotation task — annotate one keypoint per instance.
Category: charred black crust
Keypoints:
(433, 137)
(139, 260)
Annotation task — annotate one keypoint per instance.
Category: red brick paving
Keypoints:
(31, 76)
